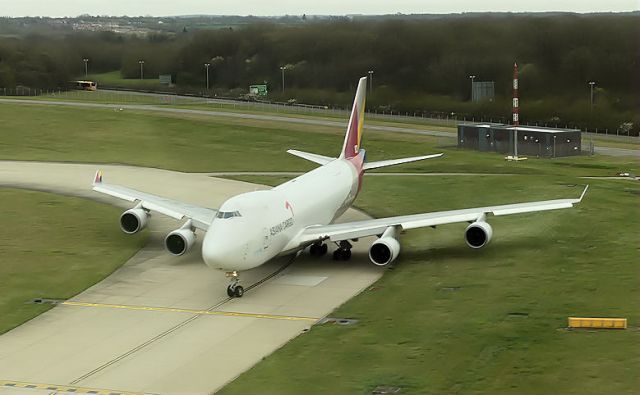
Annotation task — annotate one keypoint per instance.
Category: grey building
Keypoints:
(532, 140)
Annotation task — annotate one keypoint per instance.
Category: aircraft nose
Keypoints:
(219, 254)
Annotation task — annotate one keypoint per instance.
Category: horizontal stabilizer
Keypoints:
(323, 160)
(392, 162)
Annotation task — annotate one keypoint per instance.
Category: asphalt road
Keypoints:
(164, 324)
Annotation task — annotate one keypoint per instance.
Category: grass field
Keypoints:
(54, 247)
(183, 102)
(447, 319)
(202, 143)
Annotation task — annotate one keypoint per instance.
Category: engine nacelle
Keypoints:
(386, 249)
(478, 234)
(133, 220)
(180, 241)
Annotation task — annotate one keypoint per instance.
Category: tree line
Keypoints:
(417, 63)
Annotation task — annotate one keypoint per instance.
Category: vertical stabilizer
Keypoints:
(352, 140)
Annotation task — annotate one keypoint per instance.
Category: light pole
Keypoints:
(472, 77)
(141, 69)
(554, 145)
(591, 84)
(370, 81)
(283, 68)
(86, 68)
(207, 67)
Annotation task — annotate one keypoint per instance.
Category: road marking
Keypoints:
(190, 311)
(64, 388)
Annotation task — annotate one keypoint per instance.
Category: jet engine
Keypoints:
(133, 220)
(180, 241)
(386, 249)
(478, 234)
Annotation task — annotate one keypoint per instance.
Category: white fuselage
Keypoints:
(254, 227)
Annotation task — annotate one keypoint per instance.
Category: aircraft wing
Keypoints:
(201, 217)
(357, 229)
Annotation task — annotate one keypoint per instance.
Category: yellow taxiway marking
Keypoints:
(6, 384)
(191, 311)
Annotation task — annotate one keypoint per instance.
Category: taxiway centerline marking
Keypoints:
(6, 384)
(191, 311)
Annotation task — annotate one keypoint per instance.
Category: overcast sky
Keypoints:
(298, 7)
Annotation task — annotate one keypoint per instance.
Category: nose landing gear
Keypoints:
(234, 290)
(343, 253)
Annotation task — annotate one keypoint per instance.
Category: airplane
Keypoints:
(252, 228)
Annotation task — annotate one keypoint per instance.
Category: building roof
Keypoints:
(526, 128)
(538, 129)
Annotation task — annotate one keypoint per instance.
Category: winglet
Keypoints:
(583, 193)
(98, 177)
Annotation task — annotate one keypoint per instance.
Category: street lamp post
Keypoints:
(283, 68)
(86, 68)
(591, 84)
(472, 77)
(141, 62)
(554, 145)
(206, 65)
(370, 81)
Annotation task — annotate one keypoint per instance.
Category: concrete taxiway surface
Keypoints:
(162, 324)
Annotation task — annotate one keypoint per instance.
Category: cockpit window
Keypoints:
(228, 214)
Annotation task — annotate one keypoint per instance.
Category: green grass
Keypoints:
(54, 247)
(413, 332)
(109, 97)
(416, 333)
(302, 112)
(203, 143)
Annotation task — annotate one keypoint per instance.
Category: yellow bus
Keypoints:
(85, 85)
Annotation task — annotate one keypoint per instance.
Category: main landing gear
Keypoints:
(234, 290)
(343, 253)
(318, 249)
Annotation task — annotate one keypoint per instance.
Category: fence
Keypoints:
(125, 96)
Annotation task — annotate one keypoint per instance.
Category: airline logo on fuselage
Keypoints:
(288, 206)
(281, 227)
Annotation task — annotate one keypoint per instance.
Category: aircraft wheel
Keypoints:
(230, 291)
(346, 255)
(341, 255)
(337, 255)
(318, 249)
(238, 292)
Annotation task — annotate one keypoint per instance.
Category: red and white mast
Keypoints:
(516, 110)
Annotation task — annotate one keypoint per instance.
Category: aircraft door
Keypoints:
(266, 238)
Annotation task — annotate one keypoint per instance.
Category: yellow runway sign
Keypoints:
(598, 323)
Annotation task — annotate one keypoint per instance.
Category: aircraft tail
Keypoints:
(353, 138)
